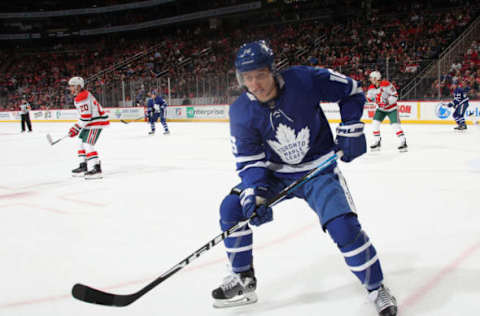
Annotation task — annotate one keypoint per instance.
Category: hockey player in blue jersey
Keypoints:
(279, 132)
(157, 107)
(460, 104)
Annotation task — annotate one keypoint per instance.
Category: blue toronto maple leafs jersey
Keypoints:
(290, 135)
(459, 96)
(153, 101)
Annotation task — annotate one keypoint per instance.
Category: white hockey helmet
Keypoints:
(76, 81)
(375, 75)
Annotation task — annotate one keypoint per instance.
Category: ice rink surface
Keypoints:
(158, 202)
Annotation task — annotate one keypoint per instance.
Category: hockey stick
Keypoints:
(53, 142)
(126, 122)
(91, 295)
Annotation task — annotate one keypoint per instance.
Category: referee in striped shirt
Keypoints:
(25, 115)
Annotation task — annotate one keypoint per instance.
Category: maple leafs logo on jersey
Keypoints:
(290, 147)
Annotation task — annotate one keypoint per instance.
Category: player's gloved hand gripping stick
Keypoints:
(74, 131)
(351, 140)
(91, 295)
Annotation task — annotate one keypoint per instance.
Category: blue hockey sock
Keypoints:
(165, 126)
(239, 243)
(356, 247)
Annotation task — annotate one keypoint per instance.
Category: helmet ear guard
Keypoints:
(251, 56)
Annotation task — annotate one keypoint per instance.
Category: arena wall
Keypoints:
(417, 112)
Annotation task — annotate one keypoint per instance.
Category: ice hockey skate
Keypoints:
(384, 301)
(151, 133)
(95, 173)
(403, 147)
(376, 146)
(460, 128)
(80, 171)
(166, 133)
(236, 290)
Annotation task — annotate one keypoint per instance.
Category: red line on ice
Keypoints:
(422, 291)
(15, 195)
(78, 201)
(292, 234)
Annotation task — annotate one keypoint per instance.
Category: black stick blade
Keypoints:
(90, 295)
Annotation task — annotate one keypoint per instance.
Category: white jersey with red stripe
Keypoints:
(92, 115)
(385, 96)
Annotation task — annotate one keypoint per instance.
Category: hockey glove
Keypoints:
(253, 200)
(74, 130)
(351, 140)
(382, 105)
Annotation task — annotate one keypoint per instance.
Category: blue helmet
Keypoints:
(251, 56)
(254, 55)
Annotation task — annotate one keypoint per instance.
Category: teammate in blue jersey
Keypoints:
(156, 108)
(460, 104)
(279, 132)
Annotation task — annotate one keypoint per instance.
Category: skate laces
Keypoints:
(230, 281)
(381, 298)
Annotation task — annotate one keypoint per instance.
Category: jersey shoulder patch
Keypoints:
(384, 83)
(83, 95)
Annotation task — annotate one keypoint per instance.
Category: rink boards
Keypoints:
(426, 112)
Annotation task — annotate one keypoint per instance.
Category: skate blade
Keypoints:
(248, 298)
(78, 175)
(374, 149)
(404, 150)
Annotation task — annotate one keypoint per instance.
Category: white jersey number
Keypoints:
(338, 77)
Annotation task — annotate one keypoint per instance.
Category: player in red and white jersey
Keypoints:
(385, 96)
(88, 128)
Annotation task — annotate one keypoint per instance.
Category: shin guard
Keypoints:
(357, 249)
(239, 244)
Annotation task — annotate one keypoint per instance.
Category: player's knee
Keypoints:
(88, 147)
(230, 209)
(344, 229)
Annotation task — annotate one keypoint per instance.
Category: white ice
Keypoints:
(159, 200)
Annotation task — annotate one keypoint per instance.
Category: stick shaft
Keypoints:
(126, 122)
(53, 142)
(91, 295)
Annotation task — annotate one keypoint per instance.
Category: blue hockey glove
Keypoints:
(351, 140)
(253, 200)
